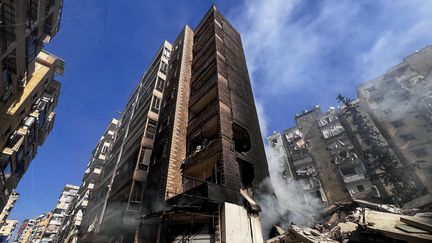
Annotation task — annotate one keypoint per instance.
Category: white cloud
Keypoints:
(325, 47)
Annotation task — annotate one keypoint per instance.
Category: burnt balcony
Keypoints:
(203, 116)
(203, 95)
(203, 189)
(202, 154)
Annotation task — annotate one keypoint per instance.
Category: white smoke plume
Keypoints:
(287, 204)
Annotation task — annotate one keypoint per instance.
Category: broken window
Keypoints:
(241, 138)
(360, 188)
(247, 175)
(421, 152)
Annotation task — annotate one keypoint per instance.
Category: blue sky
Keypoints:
(299, 53)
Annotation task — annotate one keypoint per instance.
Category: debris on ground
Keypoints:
(361, 221)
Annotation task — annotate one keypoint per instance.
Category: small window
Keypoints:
(166, 52)
(104, 150)
(360, 188)
(421, 152)
(408, 137)
(398, 123)
(164, 67)
(151, 129)
(273, 142)
(155, 104)
(160, 84)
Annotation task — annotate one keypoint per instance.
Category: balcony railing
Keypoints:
(194, 187)
(203, 116)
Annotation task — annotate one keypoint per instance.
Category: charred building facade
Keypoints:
(188, 153)
(215, 151)
(28, 89)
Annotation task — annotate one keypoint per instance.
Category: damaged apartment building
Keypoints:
(320, 153)
(325, 152)
(188, 155)
(28, 89)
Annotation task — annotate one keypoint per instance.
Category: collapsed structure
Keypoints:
(28, 89)
(328, 154)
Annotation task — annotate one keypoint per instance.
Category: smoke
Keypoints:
(288, 204)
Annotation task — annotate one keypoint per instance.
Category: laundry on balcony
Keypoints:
(198, 148)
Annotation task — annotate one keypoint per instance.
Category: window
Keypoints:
(166, 52)
(398, 123)
(360, 188)
(348, 171)
(160, 84)
(408, 137)
(151, 129)
(421, 152)
(104, 150)
(273, 142)
(241, 137)
(155, 104)
(164, 67)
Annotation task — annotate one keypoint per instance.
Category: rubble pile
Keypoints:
(361, 221)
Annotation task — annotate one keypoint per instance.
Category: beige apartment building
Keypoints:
(28, 89)
(59, 213)
(9, 206)
(7, 229)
